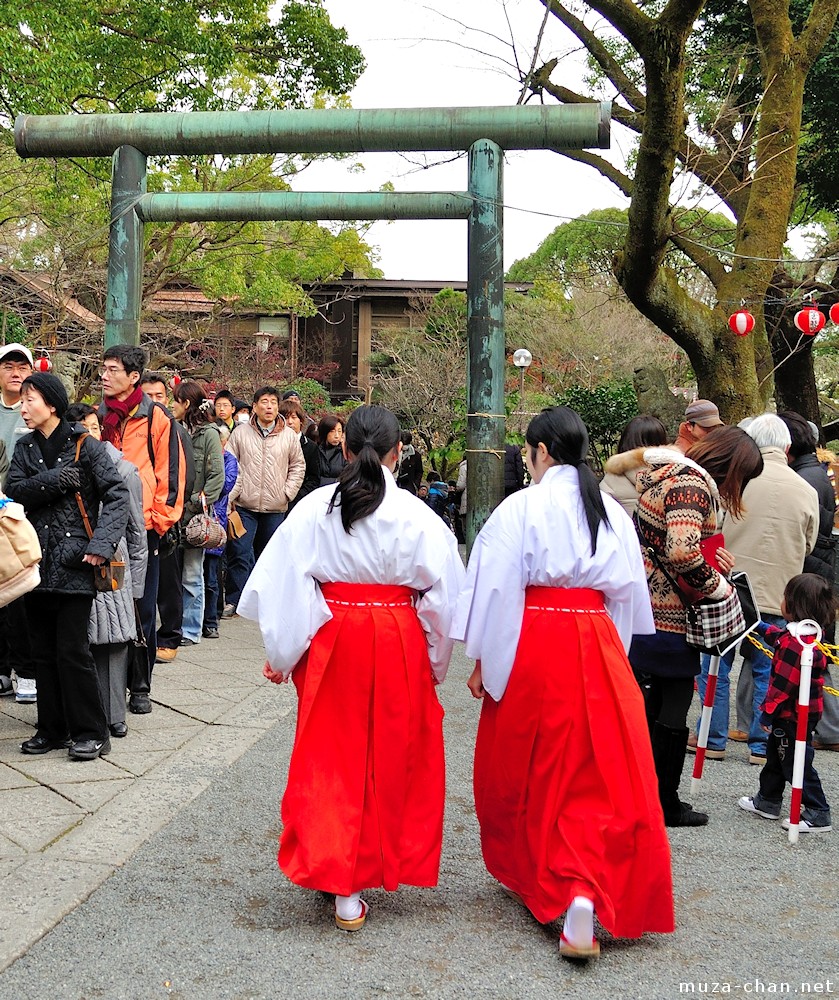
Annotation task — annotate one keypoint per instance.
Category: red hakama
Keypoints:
(363, 807)
(565, 787)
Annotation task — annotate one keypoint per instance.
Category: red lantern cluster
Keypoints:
(809, 320)
(43, 364)
(741, 322)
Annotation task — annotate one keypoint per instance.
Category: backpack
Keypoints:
(20, 553)
(173, 538)
(186, 443)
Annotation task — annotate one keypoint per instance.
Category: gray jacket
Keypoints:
(112, 618)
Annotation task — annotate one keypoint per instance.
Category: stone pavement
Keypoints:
(163, 882)
(66, 826)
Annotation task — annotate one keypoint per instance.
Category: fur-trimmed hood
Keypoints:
(666, 463)
(626, 462)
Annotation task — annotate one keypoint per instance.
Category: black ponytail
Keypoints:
(372, 432)
(565, 437)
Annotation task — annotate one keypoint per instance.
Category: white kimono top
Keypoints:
(539, 537)
(403, 542)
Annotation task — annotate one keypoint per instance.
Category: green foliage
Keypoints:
(313, 397)
(163, 55)
(605, 410)
(12, 330)
(447, 314)
(584, 247)
(169, 55)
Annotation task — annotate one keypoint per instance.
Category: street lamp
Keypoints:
(522, 359)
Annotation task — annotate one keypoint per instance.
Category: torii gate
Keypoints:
(484, 132)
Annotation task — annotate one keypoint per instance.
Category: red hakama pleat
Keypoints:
(363, 807)
(565, 787)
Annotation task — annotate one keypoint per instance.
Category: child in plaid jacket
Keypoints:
(805, 596)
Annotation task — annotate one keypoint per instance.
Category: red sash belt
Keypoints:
(367, 595)
(573, 599)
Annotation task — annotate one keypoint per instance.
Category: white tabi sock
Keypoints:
(348, 907)
(579, 922)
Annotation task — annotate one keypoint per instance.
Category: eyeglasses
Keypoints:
(110, 369)
(11, 366)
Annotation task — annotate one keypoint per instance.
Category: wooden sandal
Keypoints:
(356, 923)
(575, 952)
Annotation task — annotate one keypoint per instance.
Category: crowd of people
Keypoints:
(324, 537)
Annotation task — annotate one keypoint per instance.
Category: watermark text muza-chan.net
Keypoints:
(762, 987)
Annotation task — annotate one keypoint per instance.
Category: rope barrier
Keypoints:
(823, 646)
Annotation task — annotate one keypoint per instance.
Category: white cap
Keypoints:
(8, 349)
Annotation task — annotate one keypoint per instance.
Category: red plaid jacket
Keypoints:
(782, 695)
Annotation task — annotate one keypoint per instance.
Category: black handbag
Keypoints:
(715, 626)
(138, 657)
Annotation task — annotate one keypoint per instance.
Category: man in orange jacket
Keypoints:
(144, 433)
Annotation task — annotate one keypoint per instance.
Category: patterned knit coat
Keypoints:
(676, 510)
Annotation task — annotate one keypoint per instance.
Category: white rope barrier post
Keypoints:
(799, 629)
(705, 723)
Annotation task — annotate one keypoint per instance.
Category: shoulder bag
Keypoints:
(203, 531)
(110, 576)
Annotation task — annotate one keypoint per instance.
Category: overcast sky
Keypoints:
(418, 57)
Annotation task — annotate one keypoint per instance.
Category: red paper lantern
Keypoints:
(42, 364)
(741, 322)
(834, 313)
(809, 321)
(175, 381)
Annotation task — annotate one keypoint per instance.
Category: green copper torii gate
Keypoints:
(485, 132)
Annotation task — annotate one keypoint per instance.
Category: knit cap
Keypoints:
(51, 388)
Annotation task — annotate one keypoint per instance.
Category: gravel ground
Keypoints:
(201, 911)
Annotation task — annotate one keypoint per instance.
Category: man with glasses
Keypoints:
(147, 438)
(15, 366)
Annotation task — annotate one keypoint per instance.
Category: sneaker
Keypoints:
(209, 632)
(188, 642)
(165, 655)
(805, 826)
(748, 803)
(89, 749)
(6, 686)
(757, 758)
(229, 611)
(27, 691)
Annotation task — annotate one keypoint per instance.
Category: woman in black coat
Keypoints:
(45, 477)
(330, 448)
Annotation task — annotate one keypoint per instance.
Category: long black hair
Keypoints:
(371, 433)
(565, 437)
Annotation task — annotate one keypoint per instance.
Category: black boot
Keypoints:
(669, 749)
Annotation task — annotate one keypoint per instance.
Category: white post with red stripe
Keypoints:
(705, 723)
(799, 630)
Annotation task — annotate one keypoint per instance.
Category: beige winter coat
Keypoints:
(779, 527)
(619, 481)
(271, 469)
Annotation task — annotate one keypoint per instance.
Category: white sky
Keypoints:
(417, 57)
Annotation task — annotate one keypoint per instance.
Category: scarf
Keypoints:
(52, 446)
(117, 411)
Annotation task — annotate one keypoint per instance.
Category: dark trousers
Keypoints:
(243, 552)
(147, 609)
(776, 773)
(69, 702)
(212, 589)
(666, 699)
(170, 600)
(15, 653)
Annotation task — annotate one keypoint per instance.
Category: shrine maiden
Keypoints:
(565, 789)
(354, 595)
